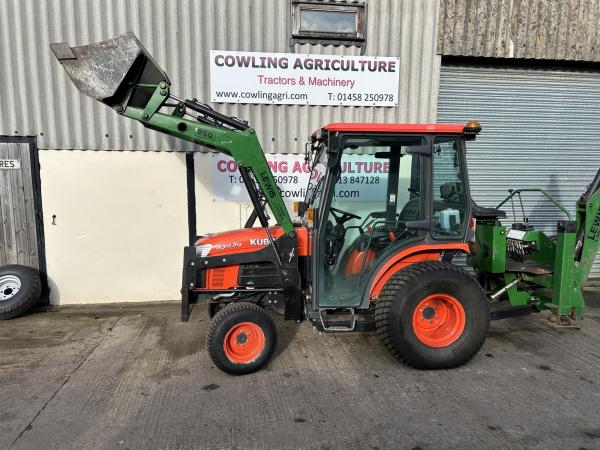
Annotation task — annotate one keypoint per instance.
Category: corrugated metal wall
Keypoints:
(537, 29)
(541, 129)
(38, 99)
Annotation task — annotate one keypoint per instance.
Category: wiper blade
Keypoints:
(315, 190)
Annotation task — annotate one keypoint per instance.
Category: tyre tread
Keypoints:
(223, 314)
(387, 298)
(18, 309)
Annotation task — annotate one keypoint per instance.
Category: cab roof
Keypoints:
(453, 128)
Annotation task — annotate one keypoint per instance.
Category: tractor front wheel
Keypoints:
(241, 338)
(432, 315)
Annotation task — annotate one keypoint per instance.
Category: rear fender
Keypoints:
(396, 261)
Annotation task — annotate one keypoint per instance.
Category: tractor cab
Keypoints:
(376, 190)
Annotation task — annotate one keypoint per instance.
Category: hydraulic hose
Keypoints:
(584, 198)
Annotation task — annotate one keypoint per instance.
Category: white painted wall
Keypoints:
(211, 215)
(121, 224)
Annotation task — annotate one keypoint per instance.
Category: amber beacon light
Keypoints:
(472, 126)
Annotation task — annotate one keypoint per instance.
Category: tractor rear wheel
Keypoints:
(432, 315)
(241, 338)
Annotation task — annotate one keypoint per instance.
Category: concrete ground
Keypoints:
(133, 376)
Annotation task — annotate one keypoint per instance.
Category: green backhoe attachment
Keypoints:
(529, 268)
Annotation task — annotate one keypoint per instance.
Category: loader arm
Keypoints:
(120, 73)
(241, 144)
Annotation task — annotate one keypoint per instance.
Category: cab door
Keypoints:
(375, 197)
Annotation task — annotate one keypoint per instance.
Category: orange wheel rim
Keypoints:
(439, 320)
(244, 342)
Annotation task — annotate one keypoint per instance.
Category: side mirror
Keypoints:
(301, 208)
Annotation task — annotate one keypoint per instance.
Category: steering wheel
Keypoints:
(343, 216)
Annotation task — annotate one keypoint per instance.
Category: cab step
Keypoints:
(336, 326)
(326, 323)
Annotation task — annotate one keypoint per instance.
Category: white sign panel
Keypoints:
(362, 178)
(295, 79)
(10, 164)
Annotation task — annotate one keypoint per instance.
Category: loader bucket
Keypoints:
(109, 70)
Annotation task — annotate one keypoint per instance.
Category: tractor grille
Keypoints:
(259, 275)
(217, 277)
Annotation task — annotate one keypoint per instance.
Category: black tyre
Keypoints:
(241, 338)
(20, 290)
(432, 315)
(214, 308)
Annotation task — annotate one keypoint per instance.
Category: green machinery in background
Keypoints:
(533, 269)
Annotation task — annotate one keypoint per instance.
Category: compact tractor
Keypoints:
(382, 263)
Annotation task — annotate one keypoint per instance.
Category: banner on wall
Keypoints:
(362, 178)
(295, 79)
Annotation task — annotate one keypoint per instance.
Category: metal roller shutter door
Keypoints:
(541, 128)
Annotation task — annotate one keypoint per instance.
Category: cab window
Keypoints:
(449, 200)
(379, 187)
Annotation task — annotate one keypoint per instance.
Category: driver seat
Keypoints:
(482, 213)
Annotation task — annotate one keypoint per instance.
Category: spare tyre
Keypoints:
(20, 290)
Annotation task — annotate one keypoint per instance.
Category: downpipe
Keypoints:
(224, 295)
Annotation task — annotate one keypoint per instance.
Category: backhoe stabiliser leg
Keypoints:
(567, 299)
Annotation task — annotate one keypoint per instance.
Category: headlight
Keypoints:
(203, 250)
